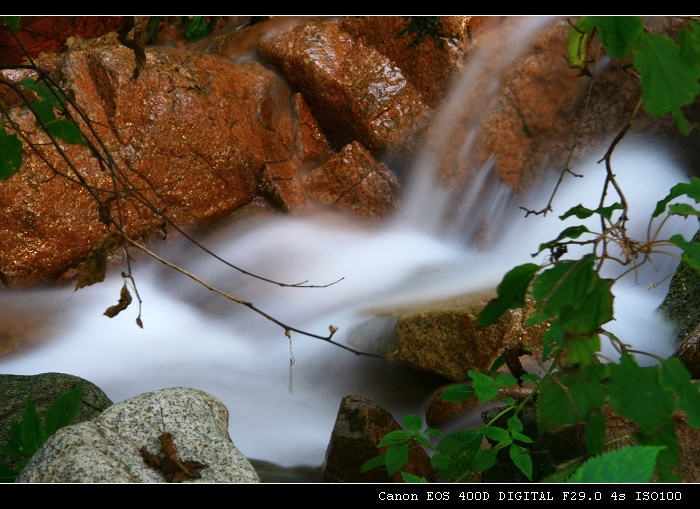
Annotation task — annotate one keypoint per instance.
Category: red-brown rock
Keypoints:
(360, 425)
(355, 92)
(193, 138)
(50, 34)
(354, 180)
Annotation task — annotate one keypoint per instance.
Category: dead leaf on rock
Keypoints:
(124, 301)
(170, 464)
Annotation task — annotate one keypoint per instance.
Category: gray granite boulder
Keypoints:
(127, 443)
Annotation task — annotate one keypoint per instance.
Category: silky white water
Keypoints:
(285, 414)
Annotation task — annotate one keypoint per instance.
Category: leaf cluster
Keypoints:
(668, 70)
(29, 434)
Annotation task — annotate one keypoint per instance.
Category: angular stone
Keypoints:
(360, 425)
(354, 180)
(445, 339)
(355, 92)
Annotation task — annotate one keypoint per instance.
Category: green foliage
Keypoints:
(669, 71)
(49, 101)
(197, 27)
(576, 303)
(11, 21)
(29, 434)
(11, 150)
(398, 444)
(629, 464)
(422, 26)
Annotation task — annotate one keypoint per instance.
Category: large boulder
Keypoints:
(355, 92)
(444, 338)
(145, 439)
(191, 139)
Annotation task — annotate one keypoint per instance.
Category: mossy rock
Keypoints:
(43, 389)
(682, 304)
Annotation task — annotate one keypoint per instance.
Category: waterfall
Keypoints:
(283, 394)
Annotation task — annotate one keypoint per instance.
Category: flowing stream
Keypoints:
(283, 394)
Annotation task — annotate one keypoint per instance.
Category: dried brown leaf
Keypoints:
(124, 301)
(94, 267)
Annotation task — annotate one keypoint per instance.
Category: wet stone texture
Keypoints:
(192, 139)
(355, 92)
(354, 180)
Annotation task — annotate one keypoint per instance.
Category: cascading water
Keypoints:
(285, 414)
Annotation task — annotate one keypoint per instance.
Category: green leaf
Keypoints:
(396, 456)
(635, 393)
(500, 361)
(577, 48)
(15, 447)
(398, 436)
(198, 27)
(53, 97)
(410, 478)
(10, 154)
(504, 380)
(582, 212)
(66, 130)
(484, 459)
(12, 22)
(457, 393)
(668, 83)
(514, 424)
(31, 429)
(63, 411)
(552, 340)
(573, 232)
(668, 466)
(595, 309)
(683, 209)
(496, 434)
(582, 351)
(564, 284)
(692, 190)
(420, 439)
(456, 451)
(691, 250)
(44, 112)
(626, 465)
(620, 35)
(689, 41)
(511, 293)
(676, 378)
(371, 464)
(413, 422)
(7, 474)
(483, 386)
(521, 458)
(595, 433)
(570, 397)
